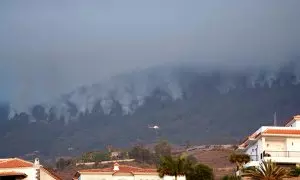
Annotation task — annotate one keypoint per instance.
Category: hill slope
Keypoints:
(199, 104)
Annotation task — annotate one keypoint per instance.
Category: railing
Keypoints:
(293, 154)
(253, 157)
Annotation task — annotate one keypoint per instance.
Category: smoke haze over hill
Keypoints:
(48, 48)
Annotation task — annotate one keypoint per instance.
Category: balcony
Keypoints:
(292, 157)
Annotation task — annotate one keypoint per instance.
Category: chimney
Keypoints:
(36, 162)
(116, 167)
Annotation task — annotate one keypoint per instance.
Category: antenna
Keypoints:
(275, 119)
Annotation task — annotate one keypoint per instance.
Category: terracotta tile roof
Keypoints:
(282, 131)
(122, 169)
(12, 173)
(14, 163)
(253, 136)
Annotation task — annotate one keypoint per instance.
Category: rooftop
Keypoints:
(14, 163)
(282, 131)
(12, 173)
(286, 130)
(121, 169)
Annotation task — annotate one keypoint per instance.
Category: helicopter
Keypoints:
(153, 127)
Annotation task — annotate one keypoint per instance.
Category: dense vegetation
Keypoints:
(266, 171)
(203, 114)
(179, 166)
(239, 160)
(295, 172)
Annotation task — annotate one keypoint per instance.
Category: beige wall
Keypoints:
(136, 177)
(95, 177)
(144, 177)
(123, 178)
(45, 176)
(275, 144)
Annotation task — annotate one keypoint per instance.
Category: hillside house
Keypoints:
(279, 144)
(17, 169)
(121, 172)
(115, 154)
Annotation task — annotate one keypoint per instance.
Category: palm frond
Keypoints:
(266, 171)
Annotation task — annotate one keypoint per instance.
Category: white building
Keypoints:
(122, 172)
(279, 144)
(17, 169)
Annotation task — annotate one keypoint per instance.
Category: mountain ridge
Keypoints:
(131, 89)
(188, 104)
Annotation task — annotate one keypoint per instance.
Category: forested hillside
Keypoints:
(188, 104)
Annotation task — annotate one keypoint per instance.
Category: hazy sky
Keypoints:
(50, 47)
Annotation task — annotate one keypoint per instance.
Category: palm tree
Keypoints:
(267, 170)
(231, 177)
(239, 160)
(173, 166)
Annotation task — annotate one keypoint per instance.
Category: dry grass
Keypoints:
(216, 159)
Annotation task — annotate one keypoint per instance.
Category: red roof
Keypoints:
(282, 131)
(14, 163)
(122, 169)
(12, 173)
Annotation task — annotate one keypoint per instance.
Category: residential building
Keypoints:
(121, 172)
(115, 154)
(17, 169)
(279, 144)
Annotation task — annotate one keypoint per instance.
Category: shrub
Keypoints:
(231, 177)
(295, 172)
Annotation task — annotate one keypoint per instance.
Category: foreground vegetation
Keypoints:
(161, 157)
(266, 171)
(179, 166)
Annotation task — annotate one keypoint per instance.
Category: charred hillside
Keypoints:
(195, 103)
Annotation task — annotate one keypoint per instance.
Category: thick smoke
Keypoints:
(131, 90)
(50, 48)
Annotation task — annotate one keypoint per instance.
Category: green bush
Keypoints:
(231, 177)
(200, 172)
(295, 172)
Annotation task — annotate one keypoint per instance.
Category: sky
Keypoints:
(51, 47)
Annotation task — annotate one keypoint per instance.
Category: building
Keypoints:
(121, 172)
(17, 169)
(115, 155)
(278, 144)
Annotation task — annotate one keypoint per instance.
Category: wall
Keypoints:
(147, 177)
(252, 150)
(31, 172)
(293, 144)
(123, 178)
(95, 177)
(44, 175)
(173, 178)
(291, 150)
(297, 123)
(276, 146)
(136, 177)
